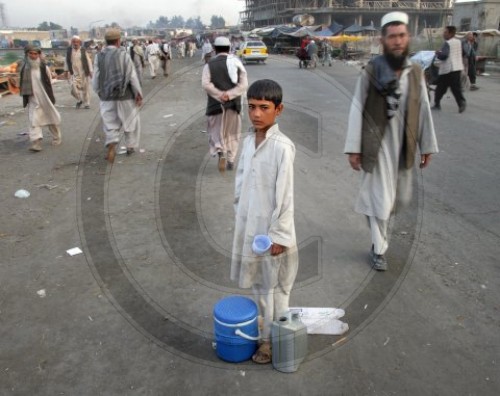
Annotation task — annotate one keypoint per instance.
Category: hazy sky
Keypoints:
(80, 13)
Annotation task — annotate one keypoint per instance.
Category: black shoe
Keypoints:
(436, 107)
(130, 151)
(379, 262)
(78, 104)
(230, 166)
(462, 107)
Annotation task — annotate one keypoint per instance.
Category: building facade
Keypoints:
(429, 13)
(477, 15)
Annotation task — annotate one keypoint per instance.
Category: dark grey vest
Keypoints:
(220, 78)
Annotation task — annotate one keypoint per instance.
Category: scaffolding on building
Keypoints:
(260, 13)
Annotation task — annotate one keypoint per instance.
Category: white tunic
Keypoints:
(40, 109)
(379, 189)
(264, 205)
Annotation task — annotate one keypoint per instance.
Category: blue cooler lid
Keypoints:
(235, 309)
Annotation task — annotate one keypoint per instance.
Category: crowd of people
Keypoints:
(389, 126)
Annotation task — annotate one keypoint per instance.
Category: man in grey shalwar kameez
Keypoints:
(119, 89)
(389, 117)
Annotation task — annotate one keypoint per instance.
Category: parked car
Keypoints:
(252, 51)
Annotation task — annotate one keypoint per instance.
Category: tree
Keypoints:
(195, 24)
(217, 22)
(46, 26)
(177, 21)
(113, 25)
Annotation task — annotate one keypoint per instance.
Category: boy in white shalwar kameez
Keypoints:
(264, 205)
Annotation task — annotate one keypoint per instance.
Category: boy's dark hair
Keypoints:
(452, 30)
(266, 90)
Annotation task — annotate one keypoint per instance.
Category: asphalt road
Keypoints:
(131, 315)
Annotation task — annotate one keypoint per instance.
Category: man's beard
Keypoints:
(396, 62)
(34, 62)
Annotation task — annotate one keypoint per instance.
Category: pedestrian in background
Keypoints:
(469, 52)
(206, 51)
(450, 70)
(153, 57)
(119, 89)
(312, 53)
(389, 119)
(224, 79)
(79, 67)
(36, 89)
(137, 55)
(327, 53)
(166, 57)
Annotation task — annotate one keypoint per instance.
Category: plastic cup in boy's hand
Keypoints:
(261, 244)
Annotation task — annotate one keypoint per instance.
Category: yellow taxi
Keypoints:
(252, 51)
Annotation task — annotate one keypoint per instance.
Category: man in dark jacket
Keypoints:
(224, 79)
(38, 97)
(79, 67)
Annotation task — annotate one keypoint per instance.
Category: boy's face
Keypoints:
(263, 113)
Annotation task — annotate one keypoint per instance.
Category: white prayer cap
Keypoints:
(75, 37)
(396, 16)
(222, 41)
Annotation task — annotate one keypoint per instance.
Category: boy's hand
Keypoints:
(277, 249)
(355, 161)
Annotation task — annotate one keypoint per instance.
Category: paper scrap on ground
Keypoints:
(74, 251)
(167, 115)
(22, 194)
(41, 293)
(322, 320)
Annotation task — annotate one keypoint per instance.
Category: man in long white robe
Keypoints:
(79, 66)
(389, 179)
(38, 96)
(152, 54)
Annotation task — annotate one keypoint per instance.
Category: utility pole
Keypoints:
(3, 16)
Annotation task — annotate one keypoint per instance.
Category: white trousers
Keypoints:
(154, 65)
(378, 230)
(273, 293)
(224, 133)
(80, 89)
(118, 115)
(36, 133)
(272, 304)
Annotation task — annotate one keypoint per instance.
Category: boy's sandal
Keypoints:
(263, 354)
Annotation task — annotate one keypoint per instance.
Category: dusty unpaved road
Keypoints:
(132, 314)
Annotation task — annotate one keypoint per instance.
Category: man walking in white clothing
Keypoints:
(153, 57)
(389, 119)
(38, 97)
(79, 67)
